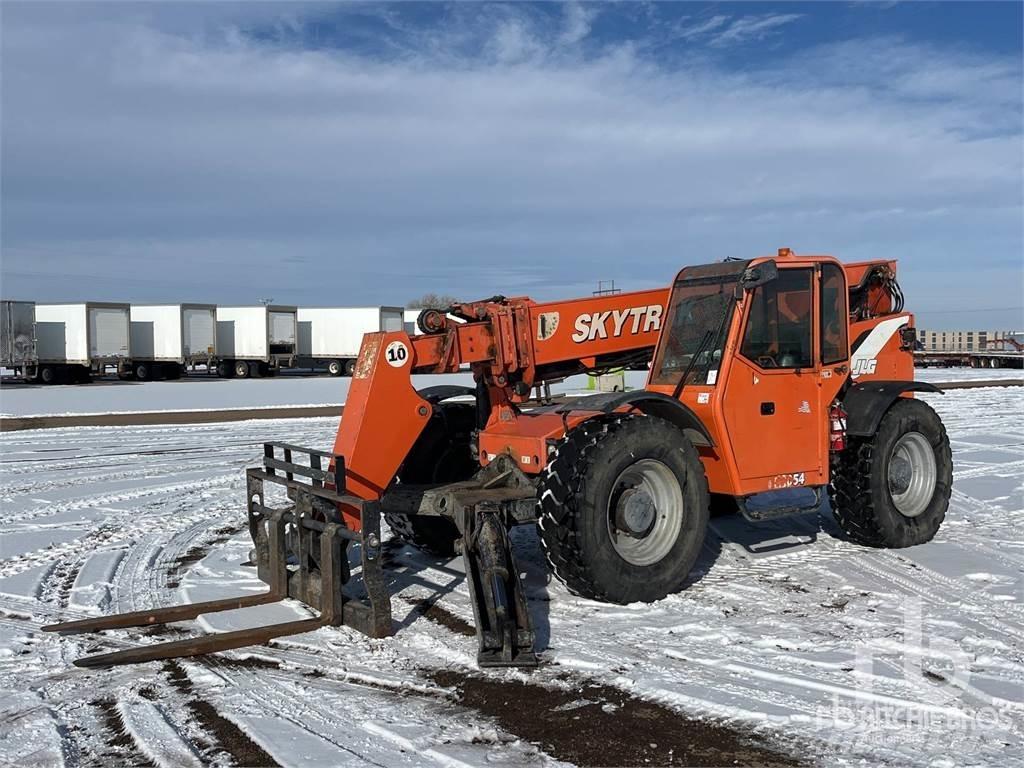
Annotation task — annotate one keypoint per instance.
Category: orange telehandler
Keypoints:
(766, 375)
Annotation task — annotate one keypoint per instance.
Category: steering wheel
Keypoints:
(766, 361)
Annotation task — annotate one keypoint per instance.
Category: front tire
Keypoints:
(623, 509)
(892, 489)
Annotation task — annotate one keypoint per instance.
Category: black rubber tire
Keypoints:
(573, 498)
(224, 370)
(335, 367)
(441, 455)
(241, 369)
(350, 367)
(143, 372)
(173, 371)
(859, 490)
(48, 375)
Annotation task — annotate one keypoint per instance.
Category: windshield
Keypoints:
(697, 323)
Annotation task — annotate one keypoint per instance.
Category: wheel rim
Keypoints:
(334, 368)
(912, 474)
(645, 512)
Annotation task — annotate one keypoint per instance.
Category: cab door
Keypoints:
(833, 334)
(772, 403)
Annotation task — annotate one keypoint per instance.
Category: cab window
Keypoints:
(833, 314)
(778, 331)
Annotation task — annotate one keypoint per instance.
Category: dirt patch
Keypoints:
(180, 566)
(124, 749)
(249, 662)
(227, 736)
(178, 678)
(597, 725)
(429, 608)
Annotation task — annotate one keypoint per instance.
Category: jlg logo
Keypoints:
(596, 325)
(862, 367)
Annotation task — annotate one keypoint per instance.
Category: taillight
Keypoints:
(837, 428)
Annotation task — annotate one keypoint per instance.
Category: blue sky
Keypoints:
(367, 153)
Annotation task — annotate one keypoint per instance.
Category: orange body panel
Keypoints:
(383, 417)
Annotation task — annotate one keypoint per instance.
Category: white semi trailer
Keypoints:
(255, 340)
(330, 337)
(76, 340)
(410, 316)
(166, 338)
(18, 338)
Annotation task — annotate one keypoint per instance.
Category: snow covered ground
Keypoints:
(827, 651)
(211, 393)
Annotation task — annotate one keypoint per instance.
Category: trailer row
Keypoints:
(71, 342)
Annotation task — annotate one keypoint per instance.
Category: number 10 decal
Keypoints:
(396, 354)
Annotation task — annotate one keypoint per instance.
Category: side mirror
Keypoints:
(759, 275)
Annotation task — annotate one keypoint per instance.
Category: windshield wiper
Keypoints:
(708, 335)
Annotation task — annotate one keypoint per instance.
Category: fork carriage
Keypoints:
(301, 551)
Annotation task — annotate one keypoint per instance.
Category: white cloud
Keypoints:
(578, 21)
(753, 28)
(241, 168)
(702, 28)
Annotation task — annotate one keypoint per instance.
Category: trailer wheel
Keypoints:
(142, 372)
(623, 509)
(224, 370)
(335, 367)
(48, 374)
(350, 367)
(892, 489)
(441, 455)
(241, 369)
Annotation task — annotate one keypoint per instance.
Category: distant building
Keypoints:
(966, 341)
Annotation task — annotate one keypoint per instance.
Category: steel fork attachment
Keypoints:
(311, 532)
(301, 552)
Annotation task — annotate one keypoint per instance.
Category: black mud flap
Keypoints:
(503, 627)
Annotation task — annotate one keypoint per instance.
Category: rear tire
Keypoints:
(626, 473)
(440, 455)
(48, 374)
(143, 372)
(892, 489)
(350, 367)
(335, 368)
(241, 369)
(224, 370)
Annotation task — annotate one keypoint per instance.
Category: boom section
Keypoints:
(518, 342)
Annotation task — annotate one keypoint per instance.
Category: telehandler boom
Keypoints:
(768, 377)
